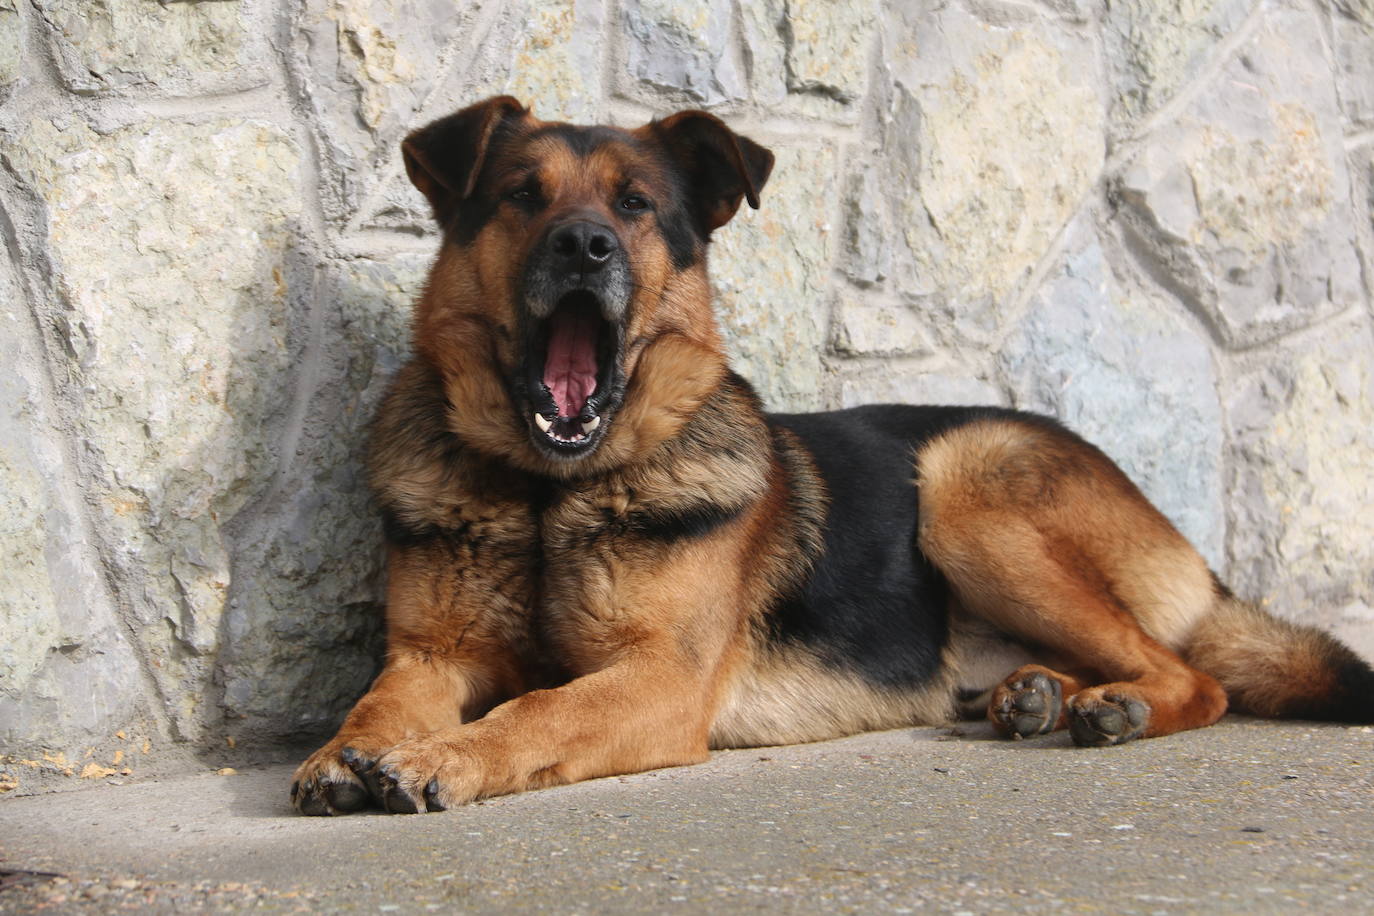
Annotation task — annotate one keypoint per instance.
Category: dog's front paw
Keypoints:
(428, 773)
(338, 778)
(1101, 716)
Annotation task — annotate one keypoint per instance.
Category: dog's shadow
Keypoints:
(300, 637)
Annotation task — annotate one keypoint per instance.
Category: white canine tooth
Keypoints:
(591, 424)
(540, 422)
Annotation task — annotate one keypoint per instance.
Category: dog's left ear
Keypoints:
(444, 158)
(721, 167)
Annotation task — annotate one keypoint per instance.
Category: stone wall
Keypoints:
(1147, 217)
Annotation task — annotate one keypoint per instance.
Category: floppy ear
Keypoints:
(443, 159)
(721, 167)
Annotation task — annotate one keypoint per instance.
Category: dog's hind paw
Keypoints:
(1028, 703)
(1100, 717)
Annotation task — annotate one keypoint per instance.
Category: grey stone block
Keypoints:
(1129, 373)
(1244, 203)
(994, 137)
(1301, 499)
(1154, 49)
(1353, 30)
(181, 344)
(11, 44)
(897, 384)
(103, 46)
(770, 268)
(302, 631)
(683, 46)
(862, 329)
(69, 679)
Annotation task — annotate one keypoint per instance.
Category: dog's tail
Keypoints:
(1272, 667)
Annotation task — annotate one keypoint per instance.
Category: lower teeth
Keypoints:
(550, 428)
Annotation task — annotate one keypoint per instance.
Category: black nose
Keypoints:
(582, 246)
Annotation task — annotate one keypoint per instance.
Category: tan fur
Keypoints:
(1047, 540)
(1270, 667)
(790, 696)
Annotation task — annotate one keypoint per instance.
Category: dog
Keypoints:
(605, 557)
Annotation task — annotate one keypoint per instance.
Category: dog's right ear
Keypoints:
(443, 159)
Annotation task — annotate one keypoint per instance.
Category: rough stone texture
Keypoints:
(105, 45)
(68, 678)
(210, 247)
(763, 32)
(547, 53)
(1302, 496)
(769, 270)
(1249, 213)
(1362, 165)
(895, 384)
(177, 327)
(11, 43)
(1353, 25)
(1132, 378)
(365, 67)
(1156, 47)
(810, 57)
(997, 136)
(867, 254)
(878, 330)
(302, 627)
(828, 47)
(683, 46)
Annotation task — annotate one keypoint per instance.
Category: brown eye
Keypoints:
(634, 202)
(523, 195)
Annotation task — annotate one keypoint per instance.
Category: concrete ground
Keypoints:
(1245, 817)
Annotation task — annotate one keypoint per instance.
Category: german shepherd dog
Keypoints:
(604, 556)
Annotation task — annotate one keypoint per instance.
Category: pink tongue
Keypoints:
(570, 367)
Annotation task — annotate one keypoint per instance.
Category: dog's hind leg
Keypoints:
(1041, 536)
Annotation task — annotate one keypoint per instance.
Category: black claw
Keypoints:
(366, 770)
(432, 796)
(395, 799)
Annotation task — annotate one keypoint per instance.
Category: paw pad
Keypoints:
(1109, 720)
(1029, 706)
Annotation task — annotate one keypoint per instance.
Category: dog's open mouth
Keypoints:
(572, 362)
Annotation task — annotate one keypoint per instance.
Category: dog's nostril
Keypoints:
(582, 246)
(600, 247)
(565, 243)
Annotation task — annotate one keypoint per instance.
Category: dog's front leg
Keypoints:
(456, 645)
(646, 710)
